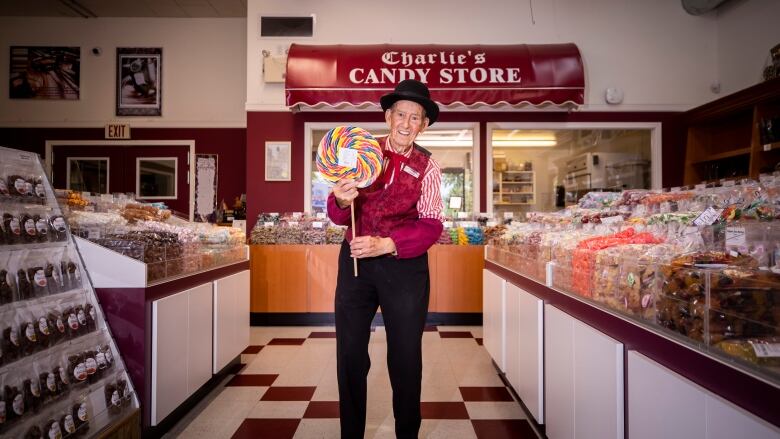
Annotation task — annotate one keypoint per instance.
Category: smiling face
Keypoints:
(406, 120)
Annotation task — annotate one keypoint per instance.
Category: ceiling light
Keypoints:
(528, 143)
(451, 143)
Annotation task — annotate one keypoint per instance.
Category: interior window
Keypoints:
(156, 178)
(452, 150)
(88, 174)
(547, 170)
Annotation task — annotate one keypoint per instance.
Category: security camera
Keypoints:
(97, 51)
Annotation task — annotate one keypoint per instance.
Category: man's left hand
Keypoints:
(371, 246)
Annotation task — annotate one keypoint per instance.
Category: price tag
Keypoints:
(86, 195)
(767, 147)
(268, 224)
(612, 219)
(509, 215)
(764, 350)
(708, 217)
(321, 215)
(297, 215)
(317, 224)
(463, 215)
(93, 232)
(455, 202)
(675, 189)
(735, 236)
(701, 186)
(492, 223)
(273, 214)
(107, 197)
(447, 224)
(25, 157)
(348, 157)
(727, 183)
(292, 223)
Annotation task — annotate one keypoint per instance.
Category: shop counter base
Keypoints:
(127, 428)
(129, 315)
(301, 280)
(747, 391)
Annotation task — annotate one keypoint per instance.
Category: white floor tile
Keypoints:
(318, 429)
(279, 409)
(447, 429)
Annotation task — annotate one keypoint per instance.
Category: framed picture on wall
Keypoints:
(139, 81)
(277, 161)
(43, 72)
(206, 185)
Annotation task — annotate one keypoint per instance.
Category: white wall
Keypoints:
(662, 57)
(203, 66)
(747, 29)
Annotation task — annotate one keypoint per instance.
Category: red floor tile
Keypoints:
(479, 341)
(485, 394)
(252, 349)
(322, 409)
(288, 394)
(432, 328)
(286, 341)
(503, 429)
(444, 410)
(258, 380)
(455, 334)
(323, 334)
(267, 429)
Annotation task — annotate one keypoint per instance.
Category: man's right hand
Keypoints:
(345, 192)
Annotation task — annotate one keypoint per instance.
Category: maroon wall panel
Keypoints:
(272, 196)
(265, 196)
(229, 143)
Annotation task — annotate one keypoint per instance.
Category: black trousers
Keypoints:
(401, 287)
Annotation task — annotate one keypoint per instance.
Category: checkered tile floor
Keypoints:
(288, 389)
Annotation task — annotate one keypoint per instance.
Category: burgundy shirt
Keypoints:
(405, 207)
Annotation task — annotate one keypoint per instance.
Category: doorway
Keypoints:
(152, 171)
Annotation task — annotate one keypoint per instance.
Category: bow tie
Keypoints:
(396, 161)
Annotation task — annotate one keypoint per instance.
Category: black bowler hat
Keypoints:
(415, 91)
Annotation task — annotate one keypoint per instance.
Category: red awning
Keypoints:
(521, 74)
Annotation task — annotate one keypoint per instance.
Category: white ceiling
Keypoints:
(123, 8)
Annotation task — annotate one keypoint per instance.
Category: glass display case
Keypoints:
(701, 265)
(168, 246)
(60, 371)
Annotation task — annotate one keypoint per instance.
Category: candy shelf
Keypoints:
(60, 369)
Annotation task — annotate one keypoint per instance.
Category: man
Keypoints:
(398, 219)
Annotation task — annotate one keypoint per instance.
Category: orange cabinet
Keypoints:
(302, 278)
(458, 278)
(278, 278)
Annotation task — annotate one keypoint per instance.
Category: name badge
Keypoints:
(411, 171)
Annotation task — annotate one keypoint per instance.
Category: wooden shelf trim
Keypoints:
(736, 102)
(721, 156)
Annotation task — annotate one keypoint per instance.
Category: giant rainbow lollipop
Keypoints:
(350, 152)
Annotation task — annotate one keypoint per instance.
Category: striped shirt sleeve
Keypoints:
(430, 204)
